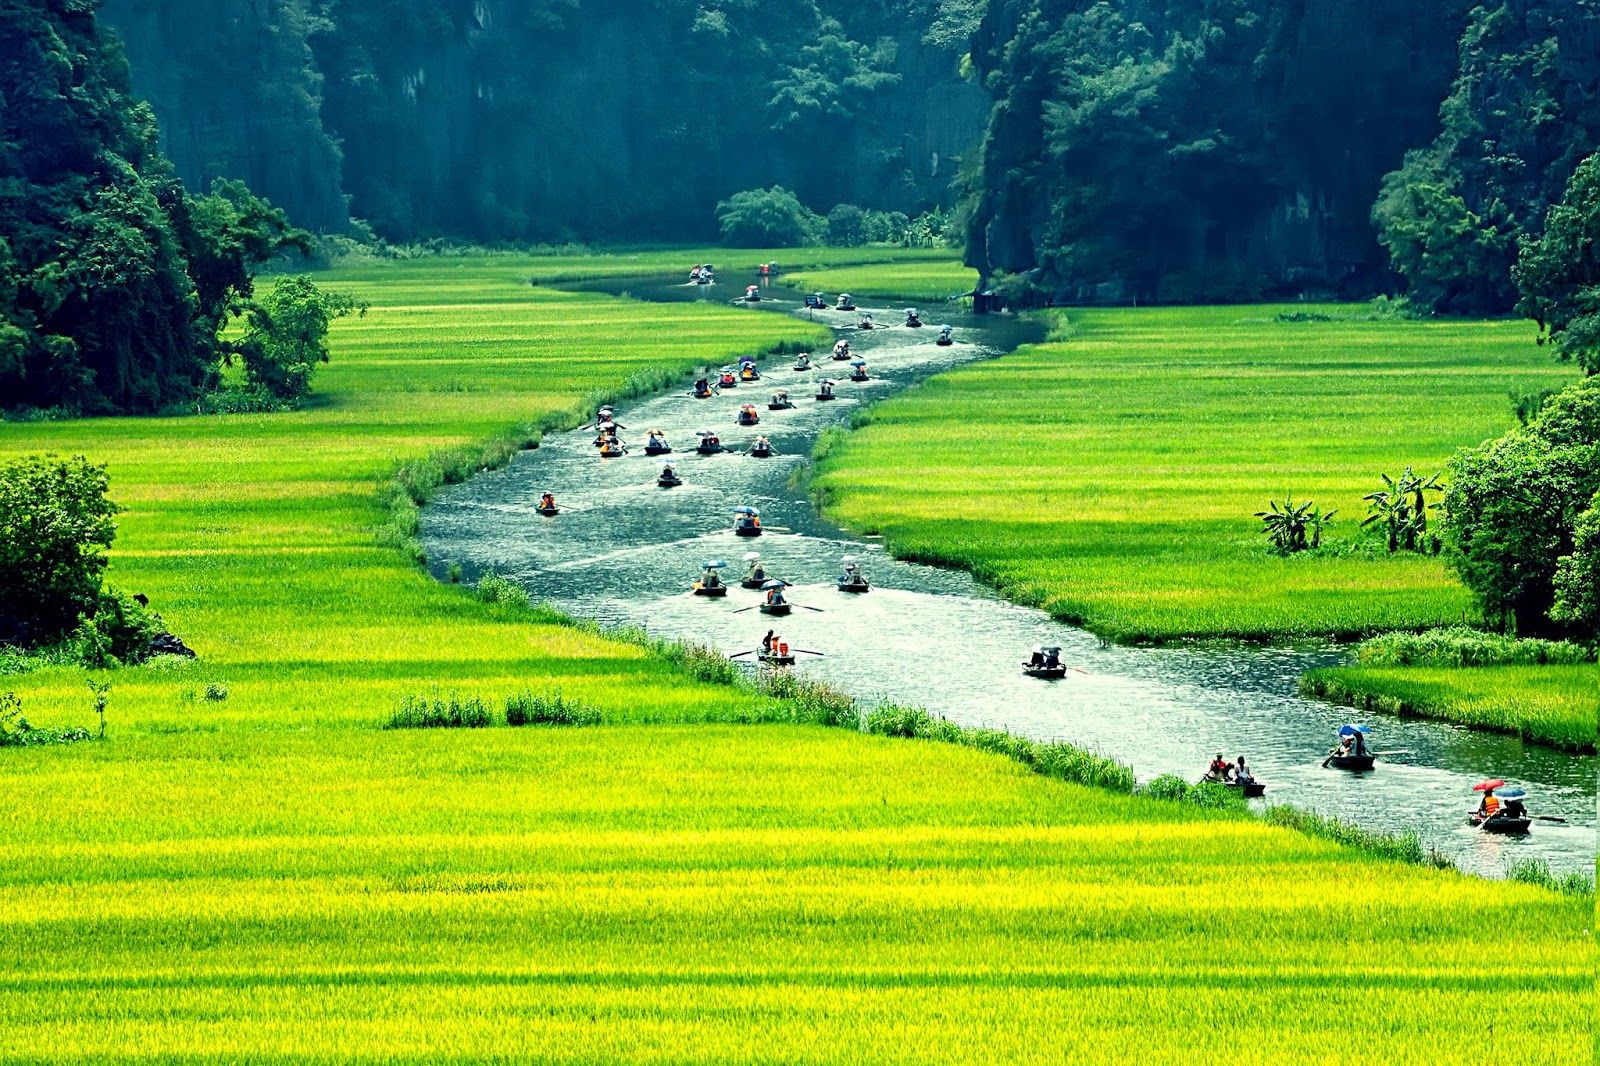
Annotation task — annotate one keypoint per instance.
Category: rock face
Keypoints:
(551, 119)
(1164, 150)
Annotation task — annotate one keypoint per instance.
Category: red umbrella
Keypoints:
(1485, 786)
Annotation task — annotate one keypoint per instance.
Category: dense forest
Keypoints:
(548, 120)
(1177, 150)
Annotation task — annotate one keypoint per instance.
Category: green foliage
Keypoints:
(1453, 260)
(1577, 581)
(1294, 527)
(1404, 847)
(287, 336)
(1514, 503)
(846, 226)
(1559, 274)
(549, 708)
(440, 712)
(1400, 509)
(1464, 646)
(768, 218)
(17, 732)
(55, 523)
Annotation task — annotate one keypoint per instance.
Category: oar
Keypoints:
(807, 651)
(742, 610)
(803, 607)
(1548, 818)
(740, 654)
(1386, 754)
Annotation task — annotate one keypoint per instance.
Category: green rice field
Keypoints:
(1557, 705)
(267, 875)
(1111, 475)
(916, 277)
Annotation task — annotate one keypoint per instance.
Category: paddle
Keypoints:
(740, 654)
(1386, 754)
(1548, 818)
(803, 607)
(806, 651)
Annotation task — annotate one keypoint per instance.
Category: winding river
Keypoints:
(623, 551)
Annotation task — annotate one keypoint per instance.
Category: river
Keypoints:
(623, 551)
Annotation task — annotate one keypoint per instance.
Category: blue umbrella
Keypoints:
(715, 564)
(775, 584)
(745, 510)
(858, 362)
(1352, 730)
(1513, 793)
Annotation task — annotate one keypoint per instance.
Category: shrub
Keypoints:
(239, 401)
(55, 522)
(846, 226)
(1462, 646)
(548, 708)
(440, 712)
(1167, 787)
(287, 336)
(216, 692)
(768, 218)
(1537, 872)
(492, 588)
(17, 732)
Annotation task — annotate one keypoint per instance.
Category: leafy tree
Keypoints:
(1559, 274)
(227, 236)
(846, 226)
(768, 218)
(287, 335)
(1514, 504)
(1522, 112)
(55, 521)
(1578, 578)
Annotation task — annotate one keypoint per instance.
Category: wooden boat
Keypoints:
(860, 375)
(747, 529)
(803, 367)
(780, 404)
(709, 590)
(859, 584)
(748, 418)
(761, 451)
(1251, 789)
(774, 659)
(669, 482)
(1048, 673)
(749, 373)
(548, 511)
(777, 608)
(1512, 827)
(613, 453)
(658, 449)
(753, 582)
(839, 357)
(826, 395)
(1354, 763)
(709, 447)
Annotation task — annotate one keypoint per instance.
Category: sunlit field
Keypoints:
(1111, 476)
(1554, 704)
(272, 876)
(722, 894)
(932, 280)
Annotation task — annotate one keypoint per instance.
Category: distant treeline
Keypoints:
(553, 120)
(1178, 150)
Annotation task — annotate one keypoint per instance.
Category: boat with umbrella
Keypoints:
(1045, 662)
(710, 582)
(655, 443)
(710, 443)
(1509, 816)
(825, 390)
(755, 575)
(774, 603)
(748, 371)
(746, 522)
(866, 322)
(669, 477)
(1352, 753)
(846, 302)
(748, 415)
(858, 371)
(946, 336)
(780, 401)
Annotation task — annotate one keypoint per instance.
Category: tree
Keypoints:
(1513, 506)
(846, 226)
(768, 218)
(1578, 578)
(1401, 508)
(287, 335)
(55, 521)
(1559, 274)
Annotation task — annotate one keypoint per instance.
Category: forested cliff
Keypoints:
(551, 119)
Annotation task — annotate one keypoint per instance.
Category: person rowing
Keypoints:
(1241, 772)
(841, 349)
(775, 596)
(1489, 805)
(802, 361)
(702, 389)
(547, 502)
(1220, 770)
(757, 572)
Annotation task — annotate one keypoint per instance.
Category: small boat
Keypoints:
(844, 303)
(1353, 763)
(1049, 673)
(802, 364)
(780, 401)
(1500, 823)
(752, 294)
(612, 451)
(749, 373)
(728, 380)
(945, 337)
(825, 390)
(772, 658)
(853, 580)
(548, 511)
(746, 522)
(865, 323)
(668, 478)
(652, 448)
(761, 449)
(710, 443)
(777, 608)
(748, 415)
(913, 320)
(858, 371)
(1046, 663)
(815, 302)
(702, 390)
(1249, 789)
(709, 590)
(708, 583)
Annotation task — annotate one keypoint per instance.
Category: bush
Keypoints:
(216, 692)
(1167, 787)
(768, 218)
(239, 401)
(1462, 646)
(440, 712)
(287, 336)
(55, 522)
(17, 732)
(548, 708)
(847, 226)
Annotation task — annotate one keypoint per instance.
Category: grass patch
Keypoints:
(932, 279)
(1110, 476)
(1551, 704)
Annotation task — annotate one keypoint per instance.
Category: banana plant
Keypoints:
(1294, 527)
(1401, 508)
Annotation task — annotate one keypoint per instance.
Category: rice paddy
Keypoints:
(1111, 476)
(930, 279)
(252, 868)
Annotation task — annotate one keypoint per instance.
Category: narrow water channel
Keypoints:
(624, 551)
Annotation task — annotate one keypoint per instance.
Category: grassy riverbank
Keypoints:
(1557, 705)
(268, 875)
(928, 277)
(1111, 476)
